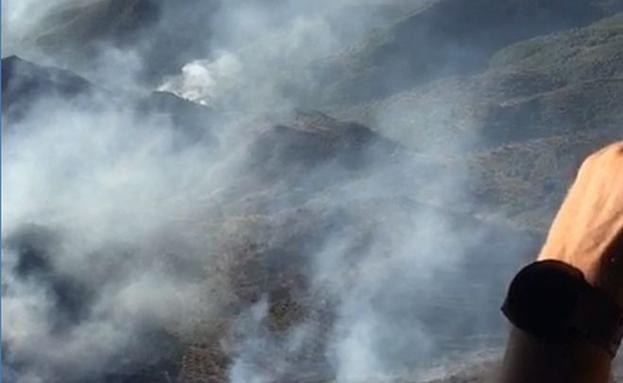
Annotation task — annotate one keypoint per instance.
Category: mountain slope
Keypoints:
(88, 22)
(22, 80)
(569, 82)
(524, 124)
(76, 35)
(24, 84)
(572, 56)
(450, 38)
(273, 224)
(461, 137)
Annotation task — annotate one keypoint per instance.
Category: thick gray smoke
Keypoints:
(99, 214)
(118, 234)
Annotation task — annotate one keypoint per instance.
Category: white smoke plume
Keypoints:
(264, 54)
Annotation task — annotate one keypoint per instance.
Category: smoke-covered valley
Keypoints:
(278, 191)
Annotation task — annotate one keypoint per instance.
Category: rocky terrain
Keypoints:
(552, 99)
(447, 38)
(498, 101)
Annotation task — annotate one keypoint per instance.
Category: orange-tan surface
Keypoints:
(587, 231)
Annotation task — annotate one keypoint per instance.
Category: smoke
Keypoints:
(269, 56)
(123, 239)
(99, 238)
(22, 20)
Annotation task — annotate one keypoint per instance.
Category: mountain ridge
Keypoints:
(510, 125)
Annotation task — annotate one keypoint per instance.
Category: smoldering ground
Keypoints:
(125, 242)
(114, 237)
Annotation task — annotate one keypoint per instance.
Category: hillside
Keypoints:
(367, 236)
(448, 38)
(552, 99)
(266, 246)
(76, 34)
(23, 83)
(525, 93)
